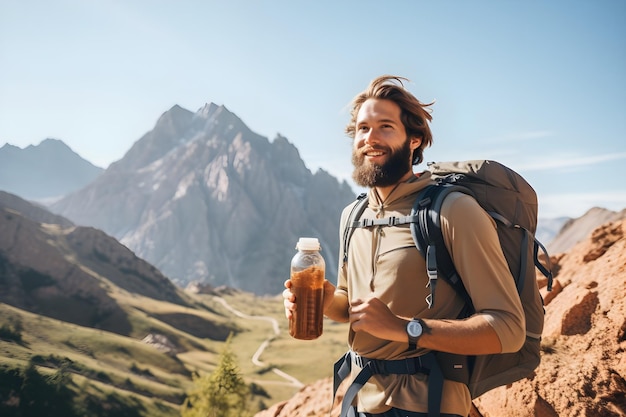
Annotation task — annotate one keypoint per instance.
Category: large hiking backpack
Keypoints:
(512, 202)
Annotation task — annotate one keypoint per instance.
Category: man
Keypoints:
(381, 288)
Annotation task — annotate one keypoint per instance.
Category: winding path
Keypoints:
(255, 358)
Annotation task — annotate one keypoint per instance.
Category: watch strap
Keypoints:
(412, 339)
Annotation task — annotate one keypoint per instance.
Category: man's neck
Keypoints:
(384, 192)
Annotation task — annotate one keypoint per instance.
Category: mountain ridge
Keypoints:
(204, 198)
(44, 172)
(575, 230)
(58, 270)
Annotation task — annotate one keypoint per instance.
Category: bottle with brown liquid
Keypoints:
(307, 283)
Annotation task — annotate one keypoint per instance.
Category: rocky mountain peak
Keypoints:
(175, 115)
(204, 198)
(7, 147)
(207, 110)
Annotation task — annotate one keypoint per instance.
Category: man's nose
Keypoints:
(370, 137)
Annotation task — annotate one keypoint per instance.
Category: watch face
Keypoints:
(414, 328)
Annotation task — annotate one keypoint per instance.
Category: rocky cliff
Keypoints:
(583, 367)
(203, 198)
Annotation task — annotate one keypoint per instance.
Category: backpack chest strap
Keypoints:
(387, 221)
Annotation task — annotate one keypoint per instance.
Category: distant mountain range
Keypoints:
(45, 172)
(203, 198)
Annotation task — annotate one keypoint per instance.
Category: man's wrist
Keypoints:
(415, 329)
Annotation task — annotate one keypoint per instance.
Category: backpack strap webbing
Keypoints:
(426, 232)
(426, 364)
(428, 238)
(355, 214)
(429, 241)
(547, 272)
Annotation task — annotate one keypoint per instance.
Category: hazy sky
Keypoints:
(538, 85)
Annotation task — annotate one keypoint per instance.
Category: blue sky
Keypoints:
(538, 85)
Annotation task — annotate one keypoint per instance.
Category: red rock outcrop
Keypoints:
(583, 368)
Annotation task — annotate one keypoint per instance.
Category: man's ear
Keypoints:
(416, 141)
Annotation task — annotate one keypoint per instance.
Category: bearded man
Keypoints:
(381, 287)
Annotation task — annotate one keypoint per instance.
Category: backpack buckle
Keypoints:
(431, 270)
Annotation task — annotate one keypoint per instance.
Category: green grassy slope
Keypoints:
(105, 364)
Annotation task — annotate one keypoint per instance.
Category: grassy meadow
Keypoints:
(305, 360)
(105, 365)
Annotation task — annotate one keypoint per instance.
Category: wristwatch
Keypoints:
(414, 328)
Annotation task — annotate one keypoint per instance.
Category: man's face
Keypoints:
(381, 152)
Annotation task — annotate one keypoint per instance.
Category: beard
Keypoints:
(389, 173)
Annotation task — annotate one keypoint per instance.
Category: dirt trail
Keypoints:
(256, 357)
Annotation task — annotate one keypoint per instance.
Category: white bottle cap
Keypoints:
(308, 243)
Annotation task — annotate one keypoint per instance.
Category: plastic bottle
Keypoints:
(307, 283)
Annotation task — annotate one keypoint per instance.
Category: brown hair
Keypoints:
(414, 114)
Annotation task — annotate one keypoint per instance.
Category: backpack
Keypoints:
(512, 202)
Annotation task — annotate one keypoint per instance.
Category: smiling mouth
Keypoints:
(373, 153)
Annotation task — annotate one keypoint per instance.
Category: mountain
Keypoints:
(203, 198)
(44, 172)
(561, 233)
(31, 210)
(69, 273)
(583, 367)
(549, 228)
(75, 301)
(575, 230)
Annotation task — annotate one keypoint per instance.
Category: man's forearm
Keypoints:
(337, 309)
(471, 336)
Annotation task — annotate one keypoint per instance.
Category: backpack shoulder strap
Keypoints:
(428, 238)
(355, 213)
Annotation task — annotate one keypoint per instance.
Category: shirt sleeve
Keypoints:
(472, 240)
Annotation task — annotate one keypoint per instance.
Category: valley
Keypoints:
(103, 364)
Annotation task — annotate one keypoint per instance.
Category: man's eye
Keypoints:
(363, 128)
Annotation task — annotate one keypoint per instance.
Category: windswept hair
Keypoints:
(415, 116)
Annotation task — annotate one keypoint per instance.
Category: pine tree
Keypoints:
(223, 393)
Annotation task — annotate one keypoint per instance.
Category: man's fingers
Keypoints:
(356, 302)
(289, 300)
(288, 295)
